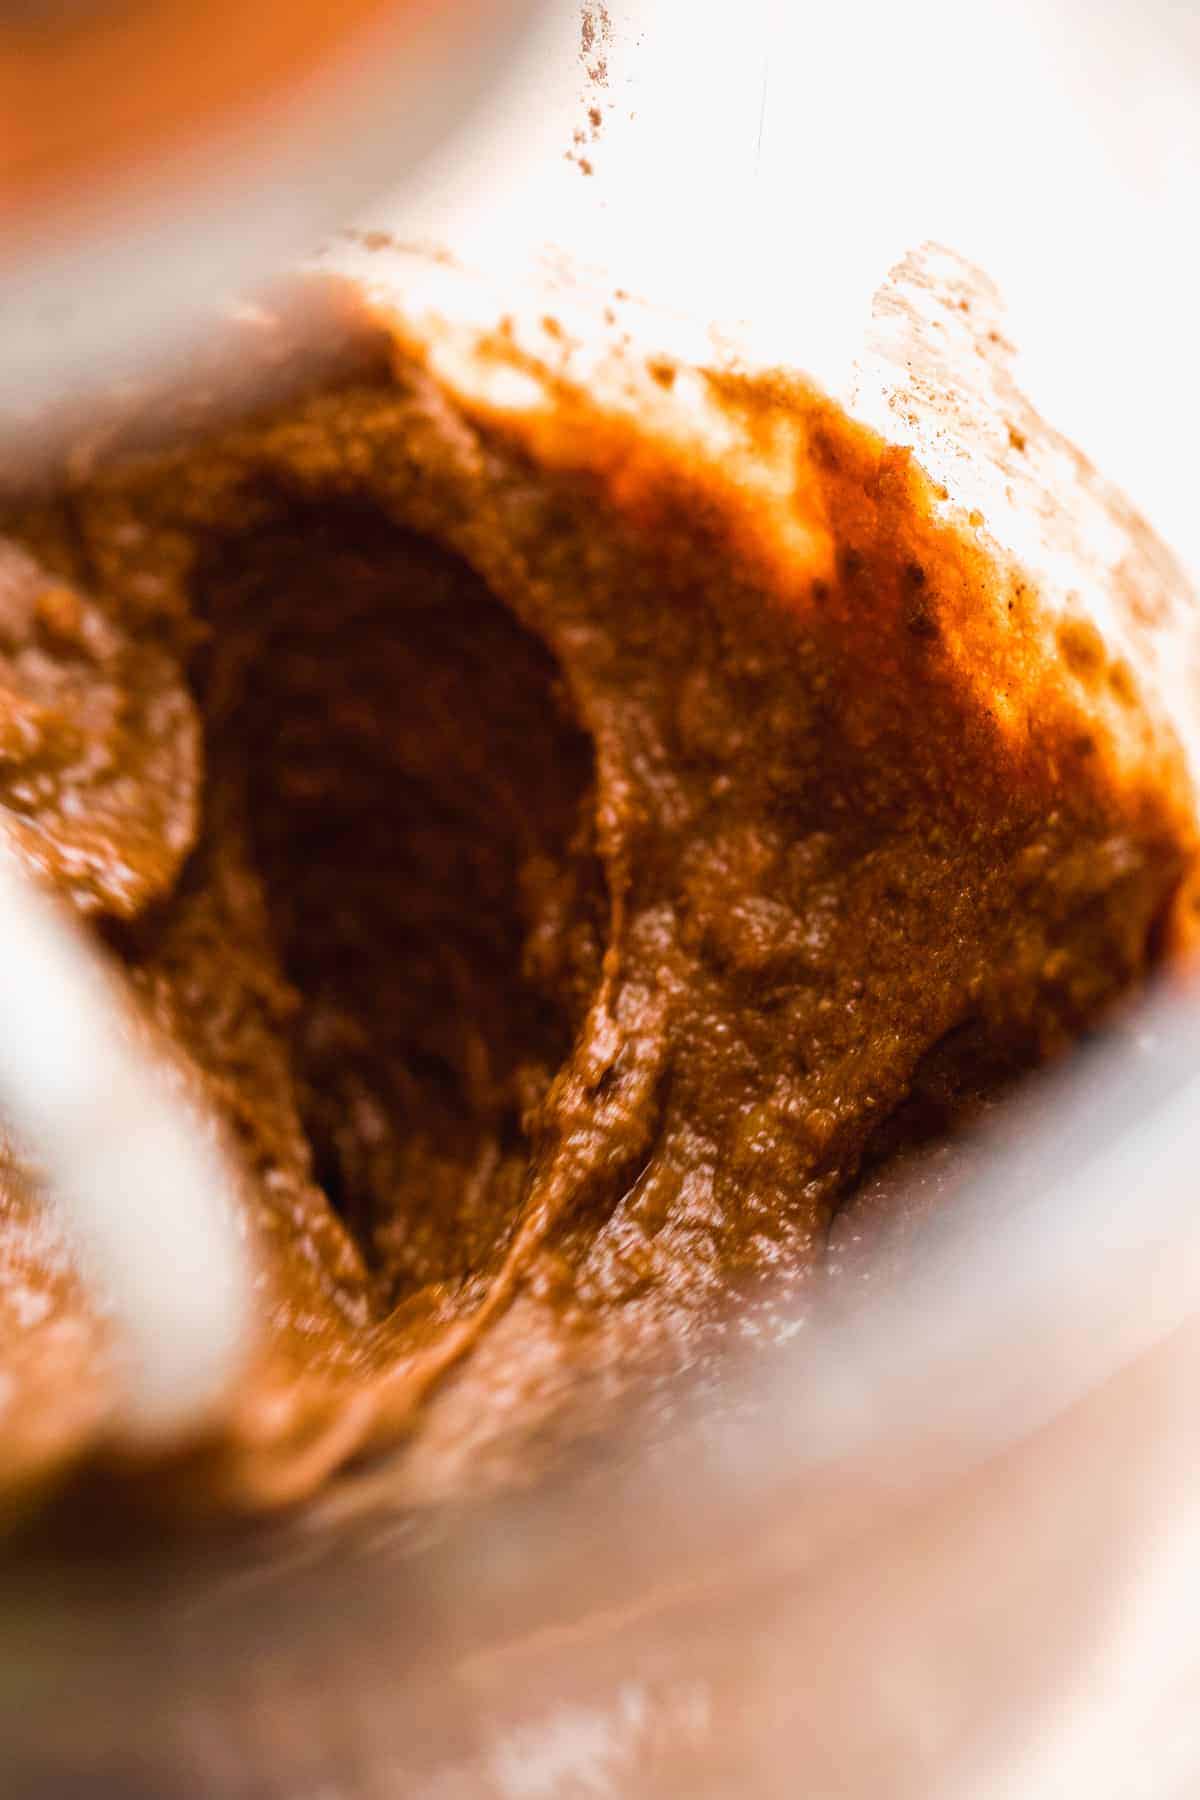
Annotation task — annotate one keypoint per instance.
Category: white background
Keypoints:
(768, 159)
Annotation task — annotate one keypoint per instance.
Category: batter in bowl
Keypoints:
(558, 827)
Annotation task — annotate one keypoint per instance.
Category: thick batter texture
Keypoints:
(568, 857)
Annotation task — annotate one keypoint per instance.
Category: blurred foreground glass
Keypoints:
(156, 155)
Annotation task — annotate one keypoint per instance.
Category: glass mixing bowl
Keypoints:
(944, 1539)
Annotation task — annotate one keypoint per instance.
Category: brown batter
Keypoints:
(560, 874)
